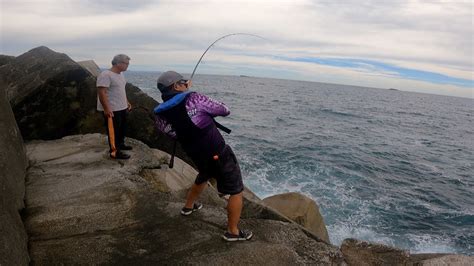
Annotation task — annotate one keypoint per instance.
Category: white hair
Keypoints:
(120, 58)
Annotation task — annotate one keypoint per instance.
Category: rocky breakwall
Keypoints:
(85, 208)
(13, 164)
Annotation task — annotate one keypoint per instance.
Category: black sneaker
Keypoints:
(242, 236)
(120, 155)
(125, 148)
(187, 211)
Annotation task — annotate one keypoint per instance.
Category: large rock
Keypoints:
(52, 96)
(13, 163)
(84, 208)
(30, 71)
(360, 253)
(448, 260)
(302, 210)
(90, 66)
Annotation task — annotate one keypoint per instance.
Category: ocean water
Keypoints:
(393, 167)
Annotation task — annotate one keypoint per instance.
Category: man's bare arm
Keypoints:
(103, 98)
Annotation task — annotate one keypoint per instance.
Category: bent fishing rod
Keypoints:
(212, 44)
(218, 125)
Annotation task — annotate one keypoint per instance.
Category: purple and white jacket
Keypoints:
(200, 109)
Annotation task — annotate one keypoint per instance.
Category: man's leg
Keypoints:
(120, 127)
(194, 193)
(109, 128)
(234, 209)
(114, 136)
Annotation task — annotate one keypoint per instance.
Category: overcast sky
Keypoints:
(424, 46)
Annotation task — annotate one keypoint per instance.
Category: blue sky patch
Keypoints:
(376, 66)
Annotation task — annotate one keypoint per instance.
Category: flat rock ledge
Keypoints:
(85, 208)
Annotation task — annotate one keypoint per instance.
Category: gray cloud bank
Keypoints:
(429, 36)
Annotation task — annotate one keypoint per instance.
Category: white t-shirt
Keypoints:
(115, 84)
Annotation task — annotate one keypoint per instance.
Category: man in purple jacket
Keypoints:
(189, 118)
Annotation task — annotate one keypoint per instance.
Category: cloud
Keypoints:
(396, 40)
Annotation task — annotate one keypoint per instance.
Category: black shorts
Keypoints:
(225, 170)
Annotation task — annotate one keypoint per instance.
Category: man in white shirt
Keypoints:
(112, 100)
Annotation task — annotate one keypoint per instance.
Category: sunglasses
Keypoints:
(183, 82)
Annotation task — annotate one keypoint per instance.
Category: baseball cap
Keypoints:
(168, 78)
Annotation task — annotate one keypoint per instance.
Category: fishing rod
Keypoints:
(218, 125)
(212, 44)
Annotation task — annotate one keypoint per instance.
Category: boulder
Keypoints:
(448, 260)
(52, 96)
(361, 253)
(300, 209)
(13, 164)
(84, 208)
(29, 72)
(90, 66)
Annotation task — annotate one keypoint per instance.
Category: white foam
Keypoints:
(339, 232)
(431, 244)
(413, 243)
